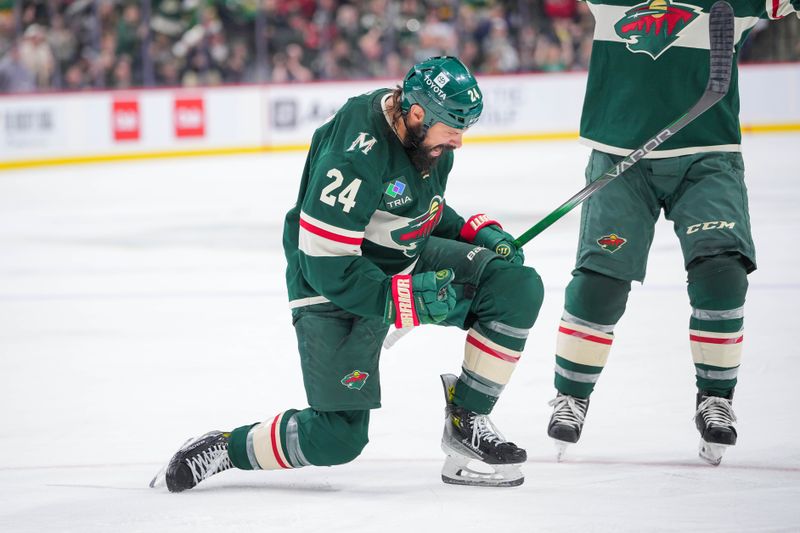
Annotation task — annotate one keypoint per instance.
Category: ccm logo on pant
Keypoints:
(715, 224)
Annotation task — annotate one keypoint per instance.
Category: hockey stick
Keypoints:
(720, 34)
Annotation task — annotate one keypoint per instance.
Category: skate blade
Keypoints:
(460, 471)
(159, 480)
(711, 452)
(561, 449)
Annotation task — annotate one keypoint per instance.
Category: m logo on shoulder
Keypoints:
(363, 142)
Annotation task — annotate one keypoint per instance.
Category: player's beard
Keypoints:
(420, 155)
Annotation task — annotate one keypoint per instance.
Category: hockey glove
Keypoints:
(483, 231)
(424, 298)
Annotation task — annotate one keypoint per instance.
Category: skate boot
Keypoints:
(199, 458)
(472, 438)
(566, 422)
(714, 419)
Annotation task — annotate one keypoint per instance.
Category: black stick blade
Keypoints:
(720, 33)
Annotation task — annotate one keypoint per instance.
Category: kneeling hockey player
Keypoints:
(371, 242)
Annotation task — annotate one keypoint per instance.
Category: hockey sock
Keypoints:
(506, 306)
(717, 290)
(265, 445)
(490, 358)
(293, 439)
(594, 304)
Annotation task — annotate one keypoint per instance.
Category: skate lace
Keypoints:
(569, 410)
(484, 430)
(209, 462)
(716, 411)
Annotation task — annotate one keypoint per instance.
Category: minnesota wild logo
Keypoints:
(420, 228)
(355, 380)
(611, 243)
(652, 27)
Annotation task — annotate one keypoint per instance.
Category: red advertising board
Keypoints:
(189, 117)
(125, 120)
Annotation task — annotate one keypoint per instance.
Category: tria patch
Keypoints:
(652, 27)
(611, 243)
(395, 188)
(396, 194)
(355, 379)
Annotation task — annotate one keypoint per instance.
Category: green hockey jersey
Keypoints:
(650, 64)
(363, 213)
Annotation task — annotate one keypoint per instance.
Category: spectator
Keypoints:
(122, 75)
(75, 78)
(63, 42)
(14, 74)
(130, 31)
(501, 56)
(36, 55)
(237, 68)
(289, 66)
(436, 38)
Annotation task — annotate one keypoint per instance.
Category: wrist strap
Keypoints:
(474, 224)
(403, 299)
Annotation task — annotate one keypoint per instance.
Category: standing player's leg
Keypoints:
(617, 227)
(497, 304)
(593, 305)
(712, 223)
(339, 357)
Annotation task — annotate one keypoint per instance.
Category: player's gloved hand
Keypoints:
(483, 231)
(424, 298)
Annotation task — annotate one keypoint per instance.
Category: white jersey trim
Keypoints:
(660, 154)
(318, 239)
(303, 302)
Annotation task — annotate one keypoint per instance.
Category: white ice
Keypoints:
(142, 303)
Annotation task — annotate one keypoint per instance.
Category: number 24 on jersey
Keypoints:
(346, 197)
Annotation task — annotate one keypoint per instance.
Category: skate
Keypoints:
(566, 423)
(198, 459)
(714, 419)
(477, 454)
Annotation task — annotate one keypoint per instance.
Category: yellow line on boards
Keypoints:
(769, 128)
(134, 156)
(240, 150)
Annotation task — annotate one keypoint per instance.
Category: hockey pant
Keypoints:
(595, 302)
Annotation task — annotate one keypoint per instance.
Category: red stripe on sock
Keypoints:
(274, 438)
(585, 336)
(482, 347)
(714, 340)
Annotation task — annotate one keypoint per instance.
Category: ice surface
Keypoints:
(143, 303)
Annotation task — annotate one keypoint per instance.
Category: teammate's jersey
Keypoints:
(650, 64)
(364, 213)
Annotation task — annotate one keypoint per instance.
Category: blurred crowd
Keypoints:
(79, 44)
